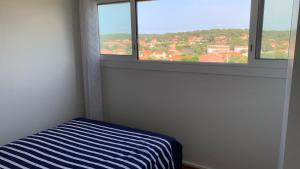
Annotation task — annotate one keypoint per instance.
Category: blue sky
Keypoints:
(165, 16)
(187, 15)
(278, 14)
(115, 18)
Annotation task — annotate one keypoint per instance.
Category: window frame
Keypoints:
(255, 34)
(260, 7)
(133, 41)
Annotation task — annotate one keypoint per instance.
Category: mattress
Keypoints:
(84, 143)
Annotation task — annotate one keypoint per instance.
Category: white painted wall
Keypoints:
(223, 122)
(292, 151)
(294, 50)
(291, 159)
(40, 79)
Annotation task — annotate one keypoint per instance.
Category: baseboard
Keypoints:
(194, 165)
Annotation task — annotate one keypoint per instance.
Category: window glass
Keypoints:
(276, 29)
(194, 30)
(115, 29)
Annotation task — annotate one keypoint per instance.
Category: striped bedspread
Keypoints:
(83, 143)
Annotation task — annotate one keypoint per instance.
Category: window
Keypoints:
(276, 29)
(115, 29)
(194, 31)
(217, 31)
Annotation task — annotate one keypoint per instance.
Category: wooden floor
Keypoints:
(186, 167)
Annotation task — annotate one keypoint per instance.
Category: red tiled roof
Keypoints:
(106, 51)
(158, 52)
(178, 57)
(219, 57)
(213, 58)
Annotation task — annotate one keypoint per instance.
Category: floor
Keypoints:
(186, 167)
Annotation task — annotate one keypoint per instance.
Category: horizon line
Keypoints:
(193, 31)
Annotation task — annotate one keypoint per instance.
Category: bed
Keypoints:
(84, 143)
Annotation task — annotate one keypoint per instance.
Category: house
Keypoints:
(178, 57)
(221, 40)
(153, 42)
(213, 58)
(195, 39)
(218, 49)
(145, 54)
(159, 55)
(106, 51)
(241, 49)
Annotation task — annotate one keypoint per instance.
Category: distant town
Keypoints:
(216, 45)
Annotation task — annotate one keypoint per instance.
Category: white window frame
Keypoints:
(255, 66)
(120, 57)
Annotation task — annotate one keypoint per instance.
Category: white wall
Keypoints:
(293, 131)
(40, 79)
(224, 122)
(292, 151)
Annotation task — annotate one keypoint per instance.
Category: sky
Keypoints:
(168, 16)
(114, 18)
(278, 14)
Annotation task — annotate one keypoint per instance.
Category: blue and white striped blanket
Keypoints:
(83, 143)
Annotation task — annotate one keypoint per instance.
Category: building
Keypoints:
(218, 49)
(241, 49)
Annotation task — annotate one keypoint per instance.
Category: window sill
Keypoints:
(263, 68)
